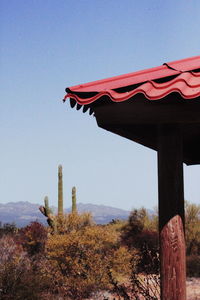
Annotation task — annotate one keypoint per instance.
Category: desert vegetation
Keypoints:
(74, 258)
(82, 260)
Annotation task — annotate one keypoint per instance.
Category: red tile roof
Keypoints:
(181, 76)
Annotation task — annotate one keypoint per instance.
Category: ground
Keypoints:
(193, 292)
(193, 289)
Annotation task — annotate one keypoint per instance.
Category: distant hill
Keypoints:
(22, 213)
(103, 214)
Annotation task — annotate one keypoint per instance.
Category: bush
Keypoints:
(83, 259)
(136, 236)
(33, 238)
(73, 222)
(8, 229)
(193, 265)
(147, 244)
(192, 228)
(21, 276)
(14, 269)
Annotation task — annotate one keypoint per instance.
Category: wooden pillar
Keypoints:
(171, 213)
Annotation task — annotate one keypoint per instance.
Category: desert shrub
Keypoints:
(193, 265)
(8, 229)
(145, 286)
(82, 260)
(138, 221)
(14, 269)
(21, 277)
(73, 222)
(192, 228)
(136, 236)
(148, 247)
(33, 238)
(139, 285)
(117, 224)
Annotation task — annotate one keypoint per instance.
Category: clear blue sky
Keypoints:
(47, 45)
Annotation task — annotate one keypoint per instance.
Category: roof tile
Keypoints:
(183, 81)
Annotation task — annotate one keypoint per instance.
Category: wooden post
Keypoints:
(171, 213)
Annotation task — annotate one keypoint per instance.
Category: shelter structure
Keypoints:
(160, 109)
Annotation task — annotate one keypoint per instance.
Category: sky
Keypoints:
(46, 46)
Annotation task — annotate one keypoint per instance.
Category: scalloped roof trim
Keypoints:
(187, 84)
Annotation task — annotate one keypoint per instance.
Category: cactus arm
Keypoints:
(74, 208)
(46, 205)
(45, 210)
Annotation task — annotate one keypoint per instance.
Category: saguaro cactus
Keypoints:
(46, 211)
(60, 191)
(74, 208)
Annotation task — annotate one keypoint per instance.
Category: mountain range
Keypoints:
(22, 213)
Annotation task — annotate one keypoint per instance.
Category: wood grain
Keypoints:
(171, 213)
(172, 253)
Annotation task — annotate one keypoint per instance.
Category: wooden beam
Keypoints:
(139, 110)
(171, 213)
